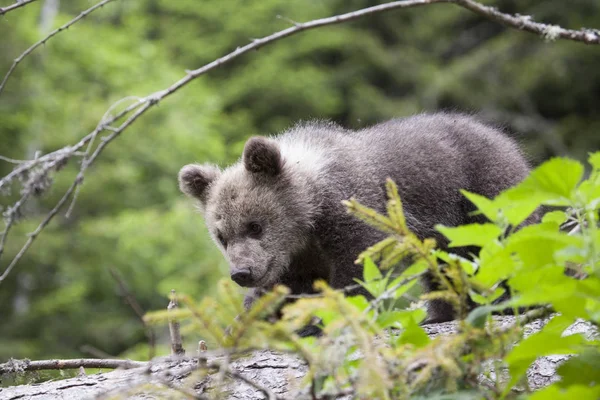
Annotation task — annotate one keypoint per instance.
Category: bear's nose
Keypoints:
(242, 277)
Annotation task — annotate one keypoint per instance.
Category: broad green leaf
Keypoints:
(389, 319)
(553, 183)
(555, 179)
(575, 392)
(556, 217)
(484, 205)
(360, 302)
(327, 316)
(415, 335)
(414, 269)
(541, 286)
(536, 245)
(545, 342)
(470, 235)
(583, 369)
(496, 264)
(412, 332)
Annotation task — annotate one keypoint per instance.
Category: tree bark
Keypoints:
(262, 374)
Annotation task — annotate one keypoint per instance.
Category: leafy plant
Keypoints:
(358, 353)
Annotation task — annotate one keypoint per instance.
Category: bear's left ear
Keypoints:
(262, 156)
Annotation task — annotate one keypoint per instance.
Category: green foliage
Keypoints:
(357, 350)
(129, 215)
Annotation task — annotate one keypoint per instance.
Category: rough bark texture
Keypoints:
(280, 373)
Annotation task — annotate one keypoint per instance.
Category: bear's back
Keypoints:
(430, 157)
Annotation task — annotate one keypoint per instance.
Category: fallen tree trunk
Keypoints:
(262, 374)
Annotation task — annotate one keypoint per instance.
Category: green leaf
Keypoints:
(370, 271)
(578, 392)
(478, 316)
(471, 234)
(536, 245)
(414, 269)
(556, 217)
(594, 160)
(553, 183)
(483, 204)
(545, 342)
(401, 318)
(487, 299)
(541, 286)
(389, 319)
(360, 302)
(582, 369)
(496, 263)
(415, 335)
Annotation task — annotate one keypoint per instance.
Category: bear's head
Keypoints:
(257, 211)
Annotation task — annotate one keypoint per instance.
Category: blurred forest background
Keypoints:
(131, 218)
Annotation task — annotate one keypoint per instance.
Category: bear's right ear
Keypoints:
(262, 156)
(194, 180)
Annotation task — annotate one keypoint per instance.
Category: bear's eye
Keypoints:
(254, 229)
(221, 239)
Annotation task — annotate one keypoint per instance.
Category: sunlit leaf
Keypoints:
(470, 235)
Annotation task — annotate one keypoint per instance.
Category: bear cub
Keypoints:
(277, 214)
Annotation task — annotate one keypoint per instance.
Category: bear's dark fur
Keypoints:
(277, 215)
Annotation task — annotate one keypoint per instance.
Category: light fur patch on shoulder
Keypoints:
(303, 153)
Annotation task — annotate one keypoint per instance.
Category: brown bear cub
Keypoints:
(277, 214)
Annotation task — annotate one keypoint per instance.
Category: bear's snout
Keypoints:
(242, 277)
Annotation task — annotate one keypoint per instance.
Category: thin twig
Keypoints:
(18, 3)
(94, 351)
(137, 309)
(525, 23)
(55, 32)
(12, 160)
(13, 366)
(389, 291)
(11, 215)
(33, 235)
(174, 328)
(530, 316)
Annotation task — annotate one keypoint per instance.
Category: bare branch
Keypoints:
(55, 32)
(13, 366)
(519, 22)
(33, 235)
(18, 3)
(52, 161)
(525, 23)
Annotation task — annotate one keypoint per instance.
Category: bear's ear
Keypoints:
(194, 180)
(262, 156)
